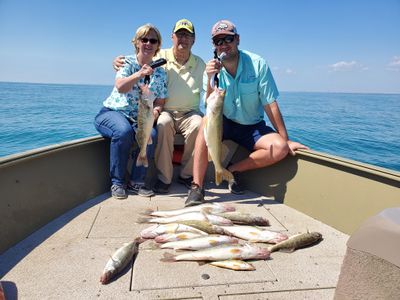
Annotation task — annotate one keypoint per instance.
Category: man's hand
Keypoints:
(293, 146)
(212, 67)
(118, 62)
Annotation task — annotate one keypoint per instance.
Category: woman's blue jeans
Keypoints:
(115, 126)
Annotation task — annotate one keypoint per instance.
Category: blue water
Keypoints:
(363, 127)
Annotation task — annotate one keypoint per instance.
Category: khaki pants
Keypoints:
(170, 123)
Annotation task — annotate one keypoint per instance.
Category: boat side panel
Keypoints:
(39, 187)
(339, 192)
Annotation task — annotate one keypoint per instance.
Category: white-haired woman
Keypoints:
(117, 119)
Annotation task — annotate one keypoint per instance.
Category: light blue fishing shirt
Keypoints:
(128, 103)
(251, 89)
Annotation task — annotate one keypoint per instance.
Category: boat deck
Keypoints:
(64, 259)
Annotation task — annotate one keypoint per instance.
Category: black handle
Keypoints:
(155, 64)
(216, 79)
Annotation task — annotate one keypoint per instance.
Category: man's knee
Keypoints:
(280, 149)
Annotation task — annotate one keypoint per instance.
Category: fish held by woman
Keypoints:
(145, 122)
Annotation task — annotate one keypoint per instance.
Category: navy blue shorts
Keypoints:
(244, 135)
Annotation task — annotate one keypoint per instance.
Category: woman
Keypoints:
(117, 120)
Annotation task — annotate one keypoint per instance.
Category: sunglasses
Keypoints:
(227, 40)
(181, 35)
(146, 40)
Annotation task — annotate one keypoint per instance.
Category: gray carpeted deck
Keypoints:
(64, 259)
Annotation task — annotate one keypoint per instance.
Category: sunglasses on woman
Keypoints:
(227, 40)
(146, 40)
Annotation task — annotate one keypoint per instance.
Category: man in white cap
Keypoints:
(250, 91)
(181, 112)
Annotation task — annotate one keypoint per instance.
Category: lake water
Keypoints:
(362, 127)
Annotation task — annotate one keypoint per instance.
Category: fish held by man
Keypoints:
(145, 122)
(297, 241)
(119, 260)
(213, 134)
(223, 252)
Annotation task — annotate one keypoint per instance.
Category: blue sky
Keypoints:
(310, 45)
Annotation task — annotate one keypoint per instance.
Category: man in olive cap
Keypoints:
(181, 112)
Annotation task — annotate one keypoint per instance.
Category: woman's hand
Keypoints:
(145, 70)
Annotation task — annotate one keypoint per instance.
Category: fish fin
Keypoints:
(201, 263)
(150, 142)
(206, 210)
(226, 175)
(287, 250)
(142, 161)
(141, 220)
(218, 177)
(154, 246)
(168, 257)
(148, 212)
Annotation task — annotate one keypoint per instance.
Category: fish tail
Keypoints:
(142, 161)
(218, 177)
(143, 220)
(226, 175)
(168, 257)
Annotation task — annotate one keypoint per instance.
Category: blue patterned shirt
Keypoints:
(128, 103)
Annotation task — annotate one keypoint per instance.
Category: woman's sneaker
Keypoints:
(139, 189)
(118, 192)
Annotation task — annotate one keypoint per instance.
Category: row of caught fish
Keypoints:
(199, 228)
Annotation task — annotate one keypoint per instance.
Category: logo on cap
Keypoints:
(223, 27)
(184, 24)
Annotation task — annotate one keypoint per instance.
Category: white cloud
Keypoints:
(394, 65)
(347, 66)
(287, 71)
